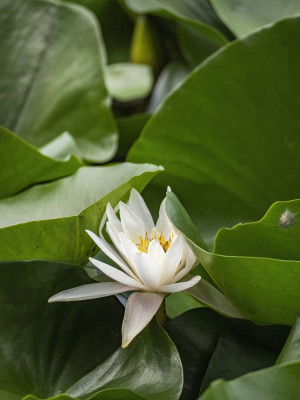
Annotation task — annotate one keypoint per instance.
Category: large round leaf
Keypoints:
(213, 347)
(45, 346)
(29, 165)
(276, 235)
(244, 16)
(264, 290)
(275, 383)
(49, 221)
(52, 76)
(46, 349)
(228, 137)
(150, 366)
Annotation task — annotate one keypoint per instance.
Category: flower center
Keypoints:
(154, 235)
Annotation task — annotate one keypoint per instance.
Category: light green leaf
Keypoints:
(214, 299)
(275, 383)
(22, 165)
(223, 134)
(291, 349)
(264, 290)
(244, 16)
(52, 76)
(49, 221)
(61, 147)
(180, 302)
(276, 235)
(127, 81)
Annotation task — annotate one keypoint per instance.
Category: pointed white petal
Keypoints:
(139, 207)
(156, 251)
(140, 309)
(189, 264)
(148, 270)
(111, 253)
(163, 223)
(112, 218)
(91, 291)
(114, 234)
(178, 287)
(132, 225)
(172, 259)
(117, 275)
(128, 249)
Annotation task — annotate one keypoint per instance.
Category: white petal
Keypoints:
(128, 249)
(111, 253)
(113, 233)
(156, 252)
(112, 218)
(172, 259)
(133, 226)
(178, 287)
(163, 223)
(148, 270)
(140, 309)
(117, 275)
(190, 262)
(91, 291)
(139, 207)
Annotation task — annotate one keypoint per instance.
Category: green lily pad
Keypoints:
(264, 290)
(52, 77)
(244, 16)
(22, 165)
(274, 383)
(223, 133)
(72, 349)
(49, 221)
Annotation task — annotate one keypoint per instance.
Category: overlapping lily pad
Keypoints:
(264, 290)
(52, 76)
(49, 221)
(47, 349)
(22, 165)
(244, 16)
(229, 136)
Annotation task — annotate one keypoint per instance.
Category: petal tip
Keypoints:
(126, 342)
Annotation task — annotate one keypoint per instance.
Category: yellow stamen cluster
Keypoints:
(144, 243)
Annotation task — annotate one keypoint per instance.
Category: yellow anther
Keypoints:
(162, 239)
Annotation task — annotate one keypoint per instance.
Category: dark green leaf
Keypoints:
(195, 334)
(172, 74)
(52, 76)
(150, 367)
(130, 129)
(44, 347)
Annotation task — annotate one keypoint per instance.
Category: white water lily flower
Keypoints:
(152, 260)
